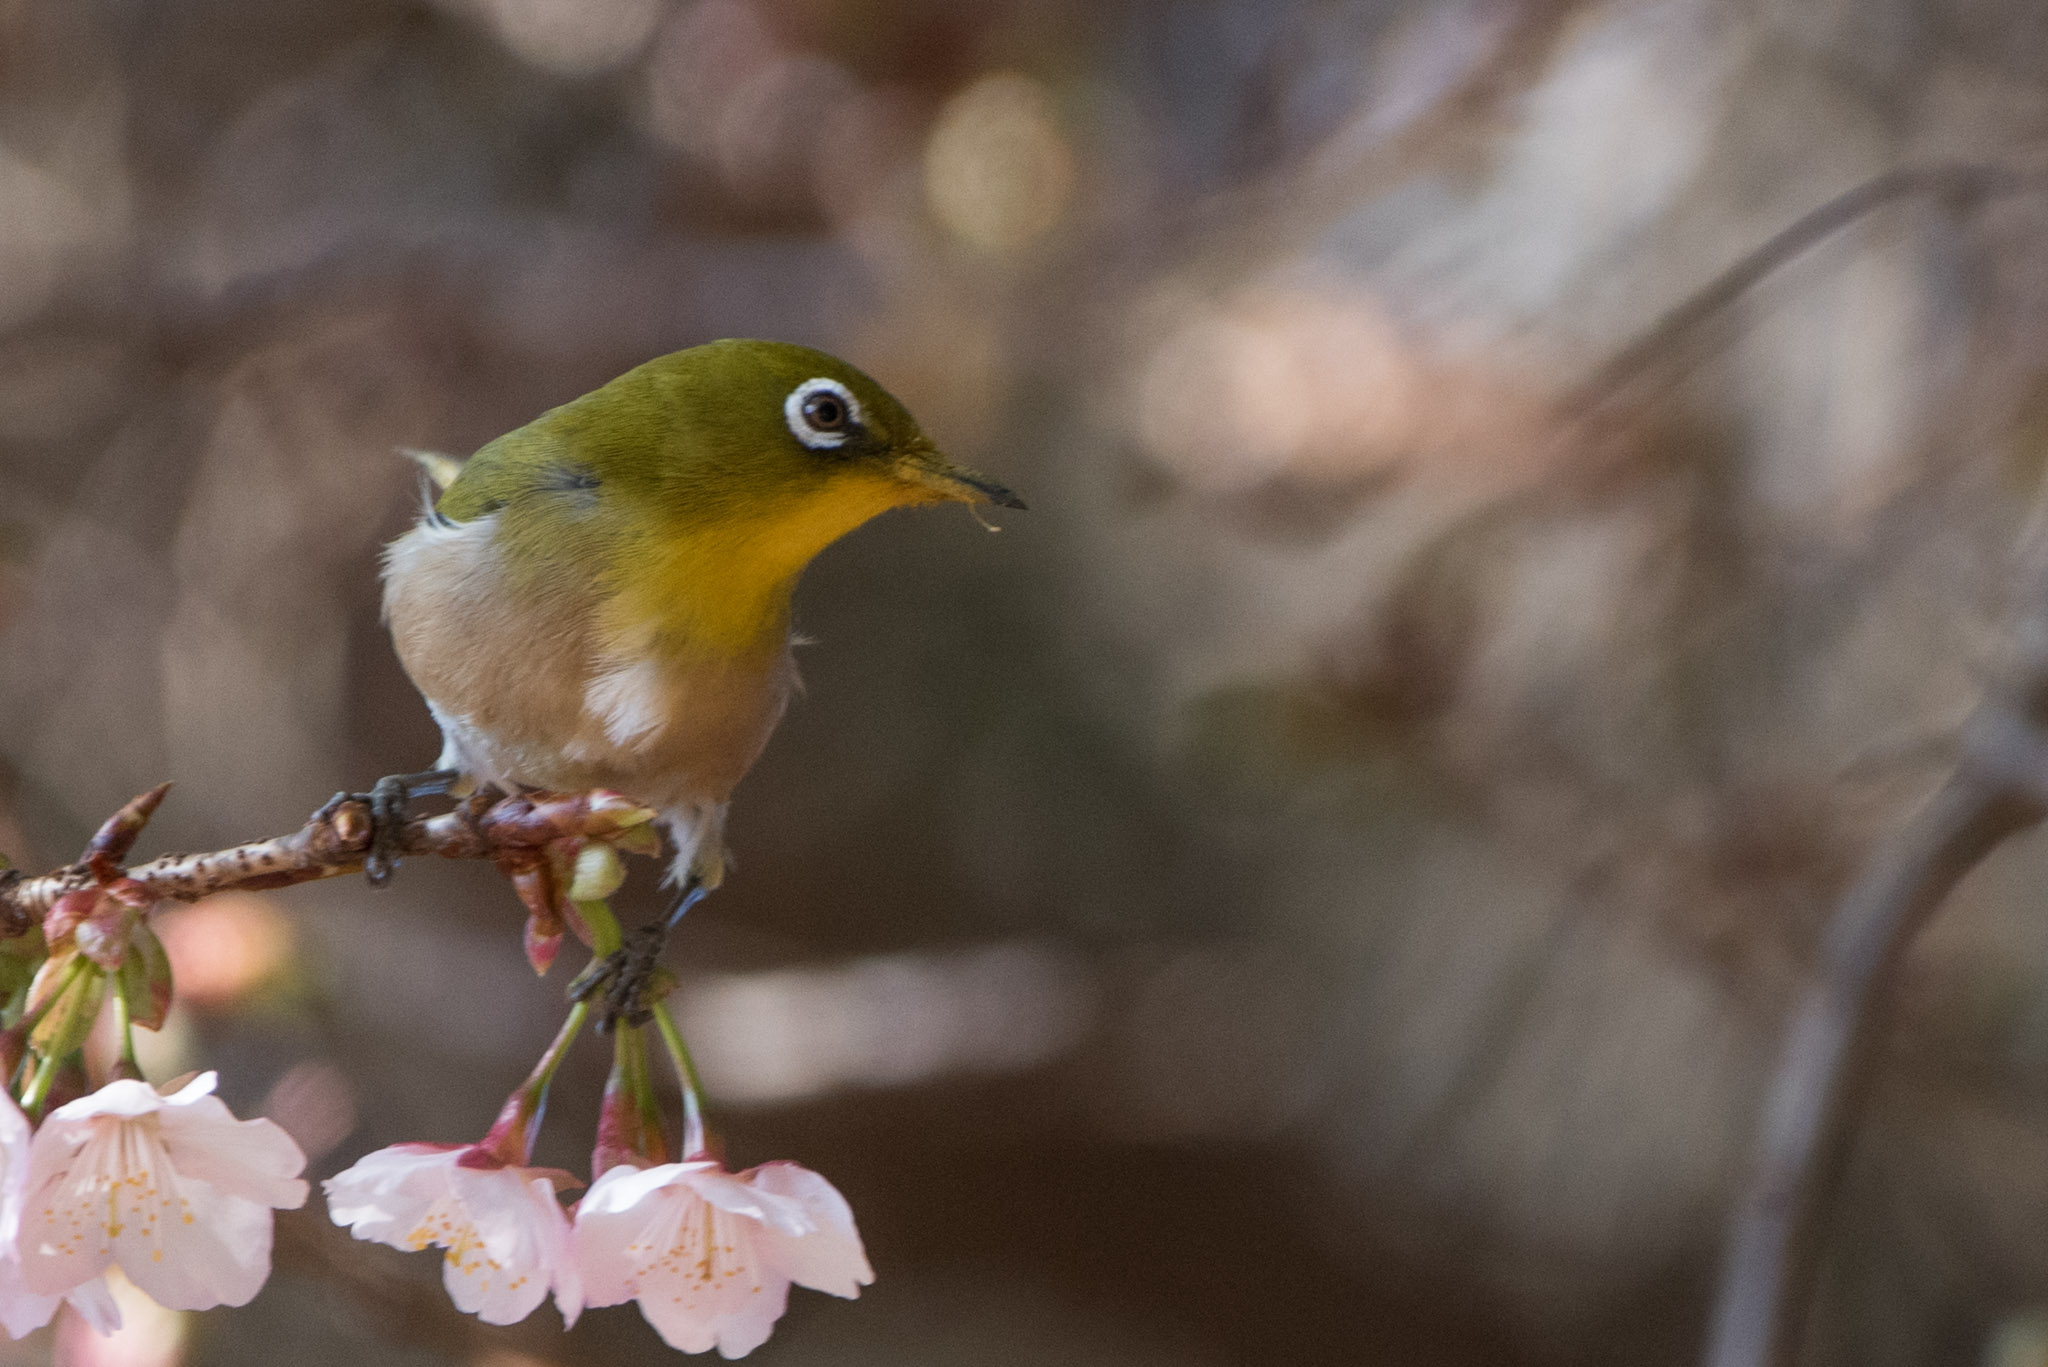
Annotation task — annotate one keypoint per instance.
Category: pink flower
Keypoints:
(173, 1188)
(22, 1310)
(506, 1237)
(710, 1254)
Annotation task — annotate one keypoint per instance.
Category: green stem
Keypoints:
(125, 1066)
(686, 1074)
(38, 1090)
(605, 935)
(572, 1026)
(618, 1117)
(518, 1122)
(643, 1096)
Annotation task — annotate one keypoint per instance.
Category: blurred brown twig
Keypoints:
(1959, 183)
(1998, 788)
(335, 840)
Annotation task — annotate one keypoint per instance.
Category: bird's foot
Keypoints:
(390, 802)
(620, 980)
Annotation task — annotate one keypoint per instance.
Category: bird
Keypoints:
(602, 598)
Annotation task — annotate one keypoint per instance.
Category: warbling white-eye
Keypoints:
(601, 598)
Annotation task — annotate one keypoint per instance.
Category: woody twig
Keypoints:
(1834, 1037)
(513, 831)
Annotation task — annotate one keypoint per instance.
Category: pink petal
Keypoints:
(254, 1159)
(620, 1210)
(830, 1259)
(125, 1097)
(493, 1295)
(214, 1252)
(748, 1326)
(606, 1269)
(743, 1198)
(105, 1187)
(14, 1127)
(22, 1311)
(709, 1255)
(501, 1265)
(130, 1097)
(64, 1239)
(735, 1326)
(201, 1085)
(819, 1198)
(14, 1150)
(386, 1194)
(682, 1328)
(561, 1255)
(622, 1188)
(704, 1282)
(506, 1237)
(119, 1199)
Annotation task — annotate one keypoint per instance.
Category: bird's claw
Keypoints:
(389, 799)
(621, 978)
(594, 975)
(626, 975)
(390, 804)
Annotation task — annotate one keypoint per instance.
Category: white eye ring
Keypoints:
(819, 438)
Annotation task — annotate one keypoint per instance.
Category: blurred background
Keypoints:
(1321, 887)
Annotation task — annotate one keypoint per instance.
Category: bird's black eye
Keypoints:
(821, 413)
(824, 411)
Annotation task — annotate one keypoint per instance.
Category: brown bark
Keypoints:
(510, 831)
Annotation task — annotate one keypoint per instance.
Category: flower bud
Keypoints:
(63, 1028)
(598, 873)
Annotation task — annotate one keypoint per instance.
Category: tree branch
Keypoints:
(335, 840)
(1823, 1074)
(1960, 183)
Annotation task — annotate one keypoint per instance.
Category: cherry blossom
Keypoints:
(506, 1237)
(709, 1254)
(173, 1189)
(22, 1310)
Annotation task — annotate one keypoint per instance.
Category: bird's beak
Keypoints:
(925, 468)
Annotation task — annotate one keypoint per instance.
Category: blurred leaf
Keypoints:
(17, 971)
(144, 978)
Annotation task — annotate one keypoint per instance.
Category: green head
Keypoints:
(700, 484)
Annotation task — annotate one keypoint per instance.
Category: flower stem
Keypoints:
(654, 1141)
(544, 1071)
(605, 935)
(518, 1124)
(686, 1074)
(628, 1121)
(38, 1090)
(125, 1066)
